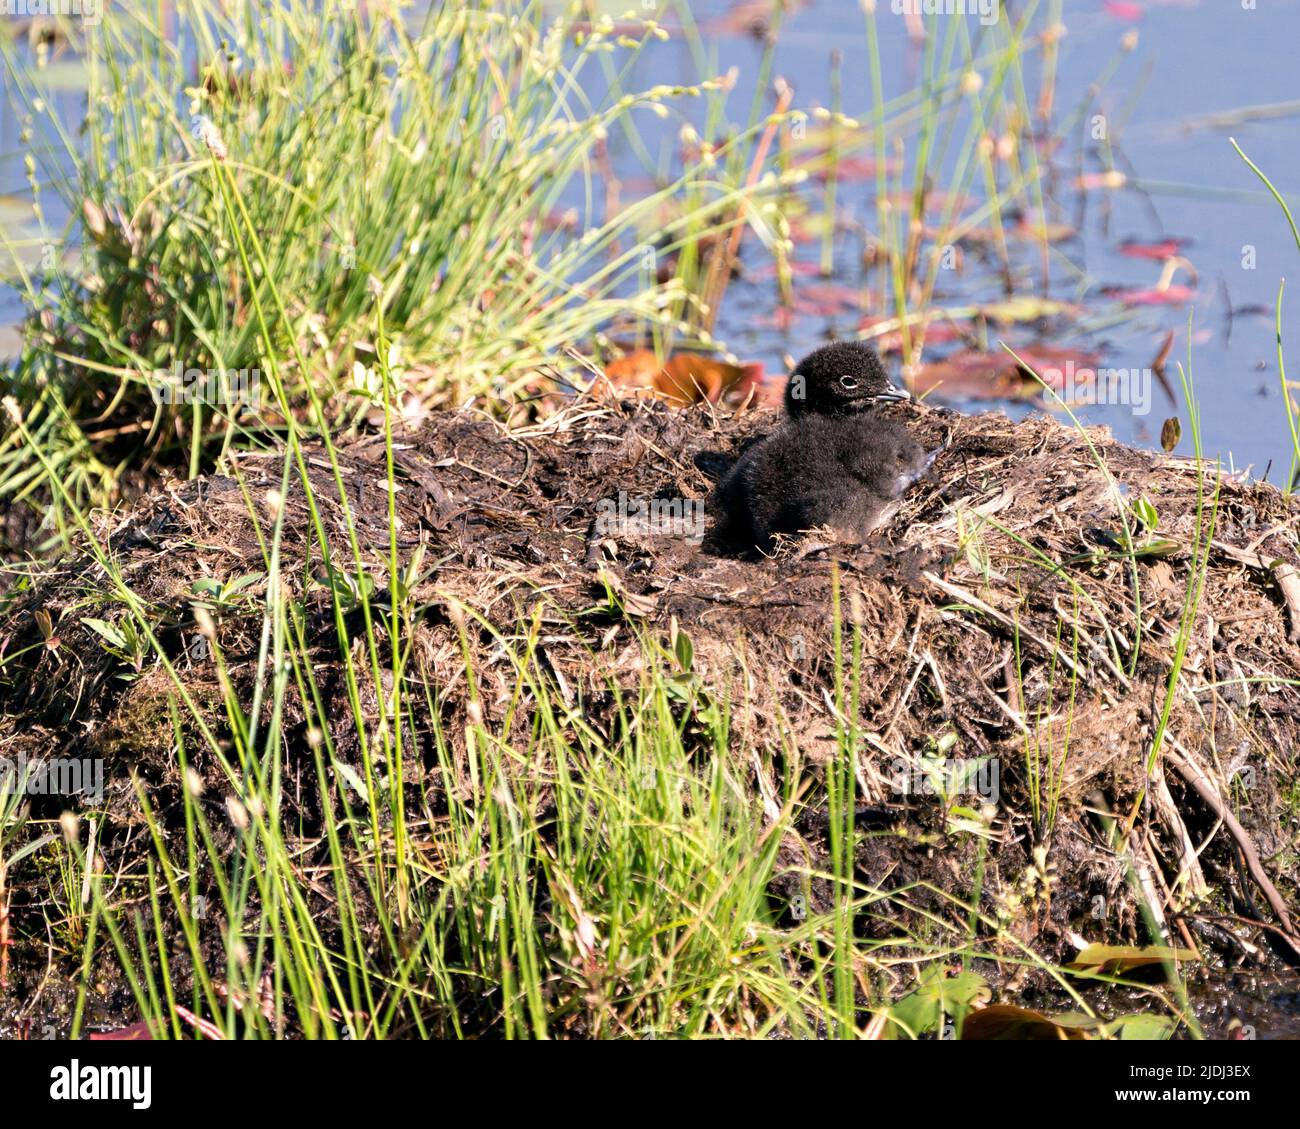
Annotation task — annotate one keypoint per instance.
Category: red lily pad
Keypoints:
(827, 298)
(997, 375)
(781, 319)
(846, 168)
(1125, 10)
(1176, 295)
(747, 17)
(1158, 250)
(767, 271)
(818, 301)
(891, 341)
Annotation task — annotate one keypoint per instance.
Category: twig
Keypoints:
(1186, 766)
(1189, 866)
(1168, 893)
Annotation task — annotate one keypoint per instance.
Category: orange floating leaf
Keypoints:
(684, 378)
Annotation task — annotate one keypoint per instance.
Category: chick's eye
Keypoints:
(848, 382)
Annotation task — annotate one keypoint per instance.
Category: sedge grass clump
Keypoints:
(421, 160)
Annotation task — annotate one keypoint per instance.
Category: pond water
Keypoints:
(1203, 70)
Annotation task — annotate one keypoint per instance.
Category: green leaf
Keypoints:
(1121, 958)
(107, 631)
(1157, 547)
(1145, 512)
(936, 995)
(353, 778)
(238, 585)
(1146, 1027)
(684, 650)
(27, 849)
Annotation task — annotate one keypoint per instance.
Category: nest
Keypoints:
(1002, 614)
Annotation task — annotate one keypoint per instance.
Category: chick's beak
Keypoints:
(893, 392)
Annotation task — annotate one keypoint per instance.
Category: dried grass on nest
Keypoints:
(964, 629)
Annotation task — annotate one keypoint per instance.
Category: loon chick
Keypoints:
(834, 461)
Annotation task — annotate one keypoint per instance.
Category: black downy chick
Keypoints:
(834, 461)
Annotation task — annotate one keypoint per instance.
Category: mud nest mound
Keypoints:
(1003, 613)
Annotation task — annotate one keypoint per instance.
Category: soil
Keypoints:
(996, 611)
